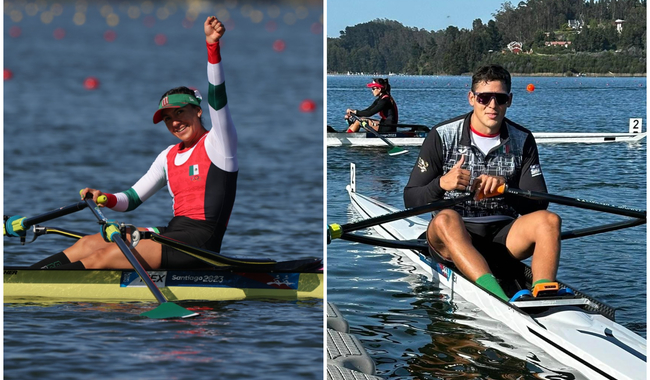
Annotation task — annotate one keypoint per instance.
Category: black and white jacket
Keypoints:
(516, 159)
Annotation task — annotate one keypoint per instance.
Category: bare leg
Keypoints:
(537, 234)
(447, 234)
(148, 253)
(95, 253)
(354, 127)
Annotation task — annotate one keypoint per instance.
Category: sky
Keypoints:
(424, 14)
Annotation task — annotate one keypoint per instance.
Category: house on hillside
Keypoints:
(564, 44)
(619, 25)
(515, 47)
(575, 24)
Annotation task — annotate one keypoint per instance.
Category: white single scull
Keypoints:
(577, 331)
(416, 138)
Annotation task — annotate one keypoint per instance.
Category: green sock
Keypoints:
(489, 283)
(540, 281)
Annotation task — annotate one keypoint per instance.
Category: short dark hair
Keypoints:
(182, 90)
(178, 90)
(491, 73)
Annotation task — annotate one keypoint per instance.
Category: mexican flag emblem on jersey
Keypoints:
(194, 170)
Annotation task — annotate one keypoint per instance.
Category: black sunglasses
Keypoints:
(485, 98)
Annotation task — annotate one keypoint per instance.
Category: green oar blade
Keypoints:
(396, 151)
(169, 310)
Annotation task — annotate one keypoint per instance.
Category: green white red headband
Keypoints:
(174, 101)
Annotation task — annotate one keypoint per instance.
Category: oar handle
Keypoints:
(337, 230)
(499, 191)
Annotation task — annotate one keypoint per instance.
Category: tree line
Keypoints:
(589, 42)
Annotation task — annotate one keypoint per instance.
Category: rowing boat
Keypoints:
(408, 138)
(287, 280)
(223, 277)
(578, 331)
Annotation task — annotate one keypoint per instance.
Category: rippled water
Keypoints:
(409, 327)
(60, 137)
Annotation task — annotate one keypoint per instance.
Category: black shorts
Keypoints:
(197, 233)
(385, 128)
(488, 238)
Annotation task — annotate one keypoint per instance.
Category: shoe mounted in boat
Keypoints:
(521, 295)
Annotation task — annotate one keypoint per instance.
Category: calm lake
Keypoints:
(60, 137)
(408, 326)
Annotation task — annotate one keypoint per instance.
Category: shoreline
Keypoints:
(559, 75)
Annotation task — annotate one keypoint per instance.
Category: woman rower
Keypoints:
(200, 173)
(384, 105)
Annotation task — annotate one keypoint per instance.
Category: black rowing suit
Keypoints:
(386, 107)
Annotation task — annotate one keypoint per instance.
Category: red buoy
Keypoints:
(279, 45)
(15, 31)
(307, 105)
(160, 39)
(8, 74)
(110, 35)
(59, 33)
(271, 26)
(530, 87)
(317, 28)
(91, 83)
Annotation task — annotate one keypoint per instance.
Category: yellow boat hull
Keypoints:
(33, 285)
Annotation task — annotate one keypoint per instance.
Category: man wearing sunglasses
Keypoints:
(477, 152)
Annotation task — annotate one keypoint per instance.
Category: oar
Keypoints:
(575, 202)
(210, 257)
(393, 150)
(166, 309)
(17, 225)
(572, 234)
(334, 231)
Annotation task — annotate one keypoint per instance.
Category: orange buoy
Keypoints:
(530, 87)
(279, 45)
(307, 105)
(91, 83)
(8, 74)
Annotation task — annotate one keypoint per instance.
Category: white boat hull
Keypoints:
(594, 345)
(403, 139)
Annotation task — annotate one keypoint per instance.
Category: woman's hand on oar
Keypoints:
(99, 197)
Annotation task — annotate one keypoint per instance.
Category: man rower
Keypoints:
(478, 152)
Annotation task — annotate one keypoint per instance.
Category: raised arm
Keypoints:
(221, 143)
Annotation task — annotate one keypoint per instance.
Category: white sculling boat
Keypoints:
(415, 138)
(577, 331)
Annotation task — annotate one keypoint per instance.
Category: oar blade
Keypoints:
(169, 310)
(396, 151)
